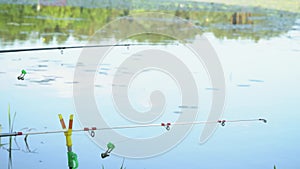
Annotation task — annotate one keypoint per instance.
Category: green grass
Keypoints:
(11, 121)
(285, 5)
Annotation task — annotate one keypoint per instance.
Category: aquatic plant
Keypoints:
(123, 164)
(11, 122)
(0, 137)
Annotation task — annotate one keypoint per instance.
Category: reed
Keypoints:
(11, 122)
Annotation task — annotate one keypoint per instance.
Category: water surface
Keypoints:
(258, 49)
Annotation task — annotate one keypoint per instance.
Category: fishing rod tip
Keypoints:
(264, 120)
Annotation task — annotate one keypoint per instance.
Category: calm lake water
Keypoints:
(259, 50)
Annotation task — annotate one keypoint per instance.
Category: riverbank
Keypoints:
(285, 5)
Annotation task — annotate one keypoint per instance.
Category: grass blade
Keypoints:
(13, 122)
(123, 164)
(10, 139)
(9, 119)
(27, 145)
(10, 129)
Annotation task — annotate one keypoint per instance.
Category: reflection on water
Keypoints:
(210, 88)
(23, 22)
(241, 18)
(256, 80)
(47, 88)
(243, 85)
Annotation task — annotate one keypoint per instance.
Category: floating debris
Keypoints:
(33, 58)
(119, 85)
(211, 88)
(256, 80)
(89, 70)
(105, 64)
(43, 81)
(100, 86)
(71, 82)
(16, 59)
(43, 61)
(79, 64)
(42, 65)
(243, 85)
(103, 73)
(68, 65)
(187, 107)
(37, 70)
(21, 85)
(103, 68)
(183, 107)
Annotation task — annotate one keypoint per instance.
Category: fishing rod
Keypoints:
(75, 47)
(72, 157)
(166, 125)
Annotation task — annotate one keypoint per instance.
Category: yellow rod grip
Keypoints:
(68, 135)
